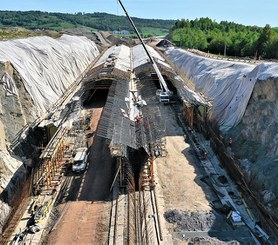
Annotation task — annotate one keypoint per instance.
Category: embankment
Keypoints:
(245, 107)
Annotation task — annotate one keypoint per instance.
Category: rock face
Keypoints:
(16, 105)
(256, 138)
(34, 74)
(260, 121)
(245, 106)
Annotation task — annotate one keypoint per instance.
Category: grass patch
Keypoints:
(151, 31)
(15, 32)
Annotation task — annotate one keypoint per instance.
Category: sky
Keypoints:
(247, 12)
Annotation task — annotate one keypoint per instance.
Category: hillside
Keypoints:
(97, 21)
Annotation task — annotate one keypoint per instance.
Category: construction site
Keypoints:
(135, 144)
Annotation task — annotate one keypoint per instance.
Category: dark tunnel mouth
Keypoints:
(170, 85)
(98, 96)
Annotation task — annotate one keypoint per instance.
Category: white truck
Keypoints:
(80, 160)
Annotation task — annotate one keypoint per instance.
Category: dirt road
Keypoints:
(85, 208)
(179, 173)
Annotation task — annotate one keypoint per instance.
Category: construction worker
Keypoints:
(231, 142)
(205, 155)
(138, 120)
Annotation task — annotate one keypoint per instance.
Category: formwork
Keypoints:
(49, 161)
(115, 124)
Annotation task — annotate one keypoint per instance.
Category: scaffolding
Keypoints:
(49, 162)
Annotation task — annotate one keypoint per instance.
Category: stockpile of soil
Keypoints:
(208, 241)
(206, 221)
(194, 221)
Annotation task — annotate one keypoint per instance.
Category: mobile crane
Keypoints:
(164, 93)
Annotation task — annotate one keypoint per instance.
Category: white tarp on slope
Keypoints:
(8, 84)
(48, 66)
(228, 85)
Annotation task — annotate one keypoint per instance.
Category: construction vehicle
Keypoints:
(80, 160)
(164, 93)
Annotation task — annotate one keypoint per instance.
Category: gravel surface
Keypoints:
(209, 241)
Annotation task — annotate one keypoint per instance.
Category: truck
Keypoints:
(80, 160)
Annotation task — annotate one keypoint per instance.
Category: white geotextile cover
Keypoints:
(11, 166)
(227, 84)
(8, 84)
(48, 66)
(120, 55)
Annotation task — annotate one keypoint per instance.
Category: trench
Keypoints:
(137, 159)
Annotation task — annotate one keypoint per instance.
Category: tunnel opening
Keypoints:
(170, 85)
(137, 159)
(96, 97)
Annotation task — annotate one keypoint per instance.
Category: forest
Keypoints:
(96, 21)
(226, 38)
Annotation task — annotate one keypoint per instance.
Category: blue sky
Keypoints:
(248, 12)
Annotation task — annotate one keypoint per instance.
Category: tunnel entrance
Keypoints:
(137, 159)
(96, 97)
(171, 87)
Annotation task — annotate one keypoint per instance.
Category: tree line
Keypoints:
(58, 21)
(226, 38)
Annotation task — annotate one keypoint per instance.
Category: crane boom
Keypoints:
(162, 82)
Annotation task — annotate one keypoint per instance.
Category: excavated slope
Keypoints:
(47, 66)
(34, 74)
(228, 85)
(245, 106)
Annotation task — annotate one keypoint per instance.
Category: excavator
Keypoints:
(164, 93)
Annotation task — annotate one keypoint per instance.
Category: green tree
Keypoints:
(263, 41)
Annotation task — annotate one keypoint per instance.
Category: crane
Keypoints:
(164, 93)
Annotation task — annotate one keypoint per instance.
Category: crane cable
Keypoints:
(117, 7)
